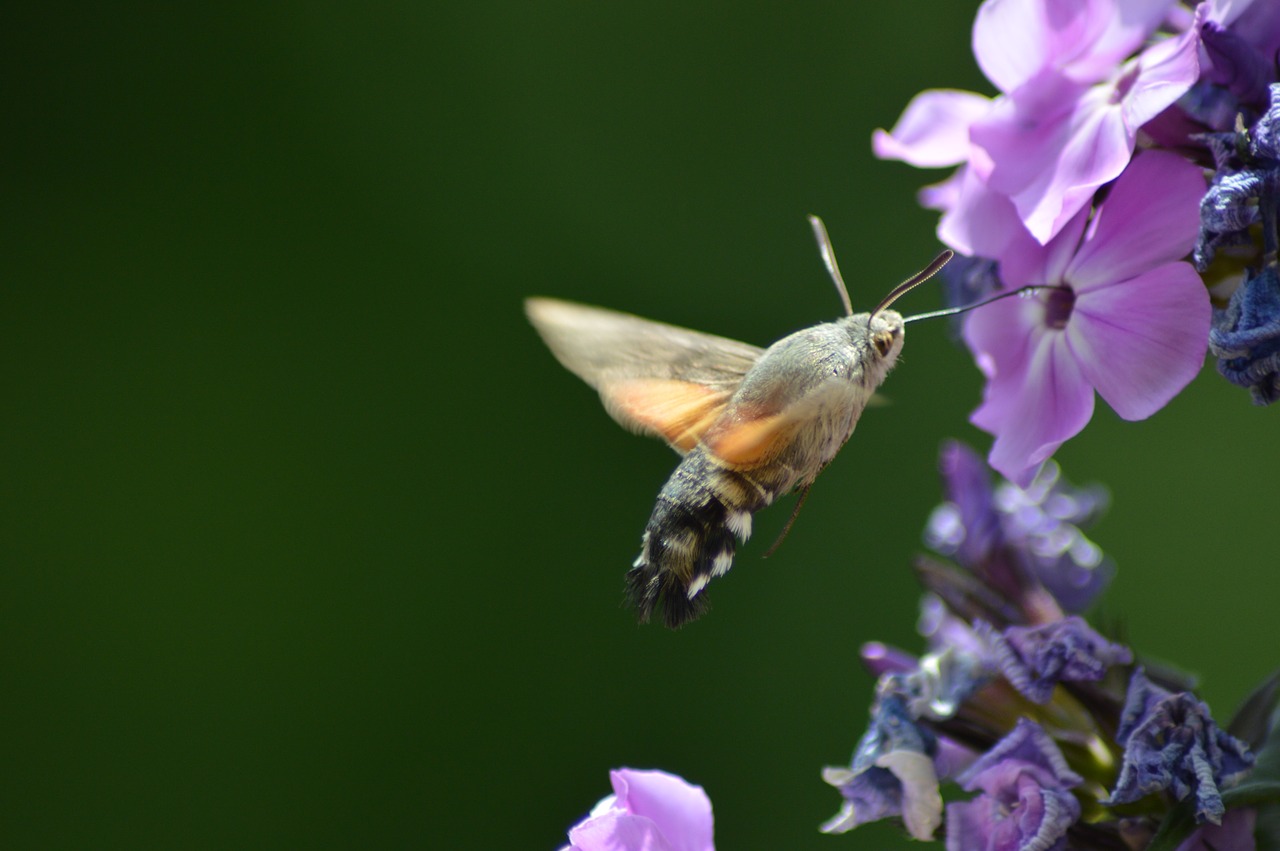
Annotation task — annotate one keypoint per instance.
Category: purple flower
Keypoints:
(944, 630)
(1065, 123)
(1042, 523)
(1024, 805)
(1172, 743)
(1019, 540)
(1070, 126)
(648, 811)
(1035, 659)
(892, 774)
(967, 525)
(1129, 319)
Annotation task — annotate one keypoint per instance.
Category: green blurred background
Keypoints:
(309, 543)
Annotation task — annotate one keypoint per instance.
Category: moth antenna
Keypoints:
(795, 512)
(914, 281)
(952, 311)
(833, 269)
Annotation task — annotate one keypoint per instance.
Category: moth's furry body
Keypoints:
(751, 424)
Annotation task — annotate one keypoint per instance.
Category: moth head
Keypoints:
(884, 333)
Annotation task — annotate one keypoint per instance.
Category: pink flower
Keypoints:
(648, 811)
(1065, 124)
(1131, 320)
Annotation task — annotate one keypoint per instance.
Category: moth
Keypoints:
(751, 424)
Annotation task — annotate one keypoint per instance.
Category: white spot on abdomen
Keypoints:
(722, 563)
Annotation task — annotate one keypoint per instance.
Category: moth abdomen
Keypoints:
(690, 537)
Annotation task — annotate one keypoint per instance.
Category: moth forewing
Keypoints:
(655, 379)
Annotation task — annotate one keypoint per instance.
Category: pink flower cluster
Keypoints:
(1059, 182)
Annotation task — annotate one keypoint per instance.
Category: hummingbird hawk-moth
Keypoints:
(751, 424)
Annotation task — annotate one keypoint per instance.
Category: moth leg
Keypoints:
(795, 512)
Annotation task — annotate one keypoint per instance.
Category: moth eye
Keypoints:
(883, 341)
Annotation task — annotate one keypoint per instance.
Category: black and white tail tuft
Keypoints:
(690, 538)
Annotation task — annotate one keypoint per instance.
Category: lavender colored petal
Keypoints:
(952, 758)
(1128, 26)
(681, 810)
(1028, 748)
(882, 659)
(1026, 261)
(1029, 818)
(1025, 804)
(1164, 72)
(1150, 217)
(1049, 160)
(617, 830)
(1001, 337)
(967, 485)
(1050, 163)
(942, 629)
(933, 130)
(1035, 659)
(1033, 403)
(1015, 39)
(1078, 576)
(1140, 342)
(1012, 38)
(976, 221)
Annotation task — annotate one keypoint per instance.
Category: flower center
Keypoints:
(1125, 83)
(1057, 310)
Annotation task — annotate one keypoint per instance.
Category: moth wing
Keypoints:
(793, 402)
(653, 378)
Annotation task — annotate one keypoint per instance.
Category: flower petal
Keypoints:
(681, 810)
(921, 800)
(1151, 216)
(1050, 164)
(933, 130)
(1139, 342)
(1010, 41)
(1052, 404)
(1086, 39)
(1026, 261)
(976, 221)
(1164, 72)
(617, 830)
(1036, 397)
